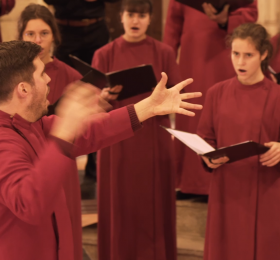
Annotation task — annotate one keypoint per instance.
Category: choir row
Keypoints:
(137, 177)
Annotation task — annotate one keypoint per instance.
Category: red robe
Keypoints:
(61, 75)
(275, 62)
(35, 220)
(5, 7)
(204, 57)
(243, 210)
(136, 193)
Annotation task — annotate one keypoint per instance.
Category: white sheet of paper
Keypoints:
(193, 141)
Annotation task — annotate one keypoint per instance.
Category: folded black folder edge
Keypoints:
(236, 152)
(135, 81)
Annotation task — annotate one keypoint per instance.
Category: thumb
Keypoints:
(268, 144)
(161, 85)
(226, 8)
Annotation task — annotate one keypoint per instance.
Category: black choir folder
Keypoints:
(218, 4)
(135, 81)
(234, 152)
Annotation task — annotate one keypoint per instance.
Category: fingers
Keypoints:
(183, 84)
(272, 162)
(271, 157)
(226, 8)
(104, 105)
(80, 90)
(190, 95)
(117, 88)
(162, 83)
(266, 156)
(209, 10)
(220, 160)
(185, 112)
(214, 164)
(212, 9)
(186, 105)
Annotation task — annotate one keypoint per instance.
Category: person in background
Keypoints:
(5, 7)
(83, 29)
(37, 24)
(205, 57)
(38, 151)
(243, 212)
(136, 199)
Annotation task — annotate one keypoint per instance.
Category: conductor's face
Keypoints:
(38, 102)
(246, 60)
(135, 25)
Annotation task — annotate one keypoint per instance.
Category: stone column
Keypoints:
(269, 15)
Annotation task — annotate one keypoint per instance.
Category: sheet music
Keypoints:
(193, 141)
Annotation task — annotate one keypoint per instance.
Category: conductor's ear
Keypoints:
(23, 89)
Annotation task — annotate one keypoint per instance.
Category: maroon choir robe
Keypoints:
(205, 58)
(136, 191)
(5, 7)
(61, 75)
(243, 210)
(275, 61)
(35, 220)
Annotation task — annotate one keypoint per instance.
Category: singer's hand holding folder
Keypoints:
(135, 81)
(234, 152)
(217, 4)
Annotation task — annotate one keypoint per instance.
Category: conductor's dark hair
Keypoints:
(16, 65)
(137, 6)
(35, 11)
(258, 35)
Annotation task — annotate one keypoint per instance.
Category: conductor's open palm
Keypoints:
(167, 101)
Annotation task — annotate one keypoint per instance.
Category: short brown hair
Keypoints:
(137, 6)
(259, 37)
(35, 11)
(16, 65)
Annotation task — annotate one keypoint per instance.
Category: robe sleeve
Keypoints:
(104, 130)
(174, 25)
(30, 189)
(248, 14)
(7, 6)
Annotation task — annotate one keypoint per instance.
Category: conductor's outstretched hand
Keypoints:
(165, 101)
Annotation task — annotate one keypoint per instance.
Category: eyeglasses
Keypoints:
(32, 36)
